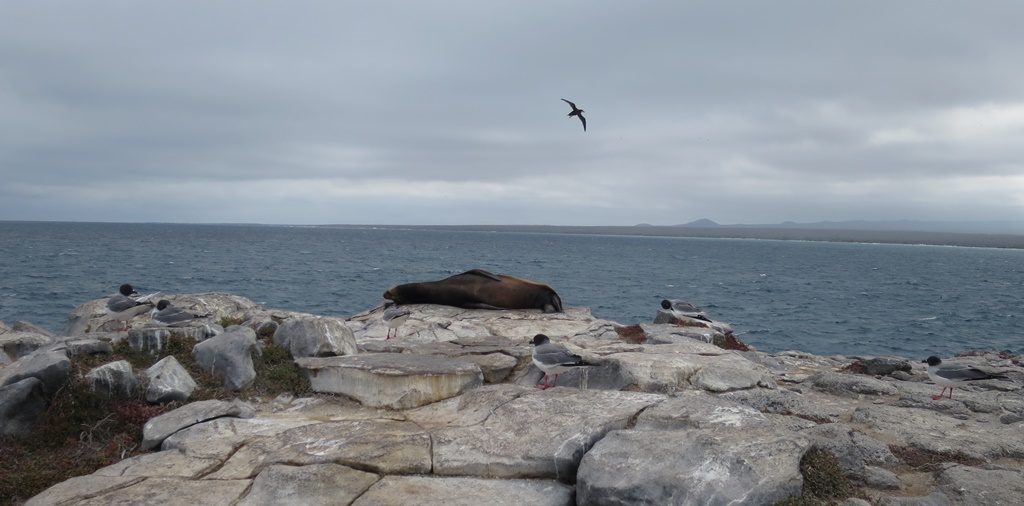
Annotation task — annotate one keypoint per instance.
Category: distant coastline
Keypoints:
(736, 232)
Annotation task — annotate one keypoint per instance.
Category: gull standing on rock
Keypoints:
(553, 359)
(950, 375)
(122, 307)
(168, 315)
(395, 316)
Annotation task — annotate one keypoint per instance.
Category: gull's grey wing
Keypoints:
(962, 373)
(171, 315)
(119, 303)
(553, 354)
(584, 120)
(392, 313)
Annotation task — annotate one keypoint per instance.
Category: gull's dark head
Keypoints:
(160, 306)
(127, 290)
(665, 304)
(540, 339)
(932, 360)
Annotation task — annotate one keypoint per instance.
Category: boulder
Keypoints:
(79, 488)
(315, 337)
(972, 485)
(453, 491)
(88, 346)
(854, 450)
(494, 366)
(159, 428)
(165, 464)
(168, 381)
(14, 345)
(851, 385)
(312, 485)
(700, 410)
(23, 326)
(398, 381)
(172, 491)
(50, 367)
(115, 379)
(880, 366)
(536, 434)
(228, 356)
(692, 467)
(21, 405)
(152, 339)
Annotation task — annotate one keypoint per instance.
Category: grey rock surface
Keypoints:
(315, 337)
(116, 379)
(972, 485)
(21, 405)
(228, 356)
(310, 485)
(168, 381)
(159, 428)
(88, 346)
(15, 344)
(457, 491)
(172, 491)
(851, 385)
(50, 367)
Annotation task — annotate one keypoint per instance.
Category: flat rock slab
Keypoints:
(79, 488)
(433, 491)
(698, 410)
(159, 428)
(312, 485)
(167, 464)
(172, 492)
(392, 380)
(539, 434)
(699, 467)
(971, 485)
(380, 446)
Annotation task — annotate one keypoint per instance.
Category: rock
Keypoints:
(89, 317)
(159, 428)
(971, 485)
(398, 381)
(429, 490)
(88, 346)
(935, 499)
(312, 485)
(854, 501)
(721, 379)
(14, 345)
(193, 440)
(315, 337)
(23, 326)
(170, 491)
(1011, 418)
(153, 339)
(851, 385)
(379, 446)
(21, 404)
(228, 356)
(115, 379)
(691, 467)
(536, 434)
(880, 366)
(79, 488)
(494, 366)
(263, 327)
(165, 464)
(699, 410)
(879, 478)
(168, 381)
(48, 366)
(854, 450)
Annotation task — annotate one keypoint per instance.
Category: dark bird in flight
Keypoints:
(576, 111)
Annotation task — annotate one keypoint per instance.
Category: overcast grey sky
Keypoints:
(449, 112)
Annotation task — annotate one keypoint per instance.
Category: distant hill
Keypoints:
(965, 227)
(703, 222)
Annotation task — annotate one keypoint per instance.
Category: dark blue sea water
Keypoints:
(819, 297)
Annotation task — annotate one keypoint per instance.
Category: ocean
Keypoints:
(820, 297)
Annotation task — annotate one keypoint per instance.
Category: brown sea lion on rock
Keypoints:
(479, 289)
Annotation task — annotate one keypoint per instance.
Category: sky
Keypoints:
(450, 112)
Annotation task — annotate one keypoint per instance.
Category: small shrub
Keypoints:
(276, 373)
(227, 321)
(927, 460)
(823, 480)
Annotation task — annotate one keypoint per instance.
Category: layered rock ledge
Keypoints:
(447, 413)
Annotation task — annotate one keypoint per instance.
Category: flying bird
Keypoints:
(553, 359)
(950, 375)
(395, 316)
(576, 111)
(122, 307)
(168, 315)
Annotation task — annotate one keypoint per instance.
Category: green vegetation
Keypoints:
(83, 431)
(228, 321)
(823, 480)
(927, 460)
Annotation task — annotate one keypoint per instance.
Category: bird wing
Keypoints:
(962, 373)
(392, 313)
(570, 104)
(119, 303)
(584, 120)
(553, 354)
(172, 315)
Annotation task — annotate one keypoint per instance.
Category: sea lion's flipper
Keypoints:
(481, 272)
(479, 305)
(554, 305)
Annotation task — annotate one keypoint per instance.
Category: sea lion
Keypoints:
(479, 289)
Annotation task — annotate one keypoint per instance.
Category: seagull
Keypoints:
(122, 307)
(576, 111)
(168, 315)
(950, 375)
(681, 308)
(553, 359)
(395, 316)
